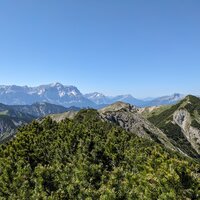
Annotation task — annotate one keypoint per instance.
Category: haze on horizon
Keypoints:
(144, 48)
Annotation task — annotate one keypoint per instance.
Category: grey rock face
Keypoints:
(127, 117)
(183, 119)
(97, 98)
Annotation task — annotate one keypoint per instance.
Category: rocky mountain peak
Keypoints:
(95, 94)
(54, 93)
(119, 106)
(56, 84)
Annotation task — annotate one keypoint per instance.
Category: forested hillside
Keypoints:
(86, 158)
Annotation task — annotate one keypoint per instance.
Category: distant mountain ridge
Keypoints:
(40, 109)
(10, 119)
(68, 96)
(166, 100)
(13, 116)
(99, 99)
(52, 93)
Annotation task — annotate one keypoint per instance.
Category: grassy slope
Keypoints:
(154, 111)
(9, 119)
(163, 120)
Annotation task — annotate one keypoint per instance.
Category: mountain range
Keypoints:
(171, 120)
(13, 116)
(68, 96)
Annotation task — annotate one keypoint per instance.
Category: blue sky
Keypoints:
(145, 48)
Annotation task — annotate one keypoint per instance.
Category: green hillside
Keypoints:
(164, 121)
(86, 158)
(10, 119)
(191, 103)
(13, 116)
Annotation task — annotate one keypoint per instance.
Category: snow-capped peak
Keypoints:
(56, 84)
(94, 95)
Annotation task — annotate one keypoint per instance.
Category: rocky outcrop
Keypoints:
(183, 119)
(59, 117)
(127, 116)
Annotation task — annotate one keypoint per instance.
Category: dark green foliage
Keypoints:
(194, 104)
(86, 158)
(195, 124)
(177, 137)
(152, 135)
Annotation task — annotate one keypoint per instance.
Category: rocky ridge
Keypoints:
(180, 122)
(127, 116)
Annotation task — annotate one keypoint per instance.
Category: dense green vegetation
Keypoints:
(86, 158)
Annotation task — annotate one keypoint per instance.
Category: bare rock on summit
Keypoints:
(61, 116)
(119, 106)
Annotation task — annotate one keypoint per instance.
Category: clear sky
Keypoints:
(141, 47)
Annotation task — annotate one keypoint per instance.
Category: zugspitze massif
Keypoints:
(68, 96)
